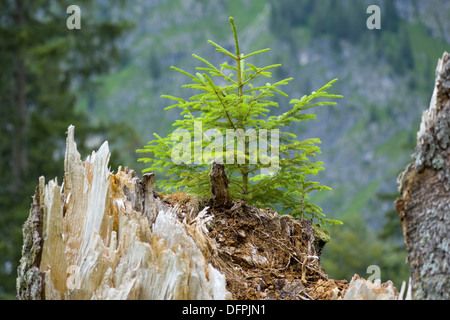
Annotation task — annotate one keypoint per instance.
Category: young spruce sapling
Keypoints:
(239, 102)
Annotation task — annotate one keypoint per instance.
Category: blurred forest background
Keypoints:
(107, 79)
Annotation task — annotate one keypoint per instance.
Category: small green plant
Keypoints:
(239, 104)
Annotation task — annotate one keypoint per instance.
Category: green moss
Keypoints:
(320, 233)
(424, 45)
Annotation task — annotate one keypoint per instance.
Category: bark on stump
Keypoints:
(424, 202)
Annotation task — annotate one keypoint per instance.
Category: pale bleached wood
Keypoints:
(362, 289)
(93, 243)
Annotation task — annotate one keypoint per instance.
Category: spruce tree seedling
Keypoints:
(231, 99)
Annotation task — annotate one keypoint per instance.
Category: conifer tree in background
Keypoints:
(240, 100)
(42, 64)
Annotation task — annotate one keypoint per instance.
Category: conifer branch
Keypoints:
(225, 109)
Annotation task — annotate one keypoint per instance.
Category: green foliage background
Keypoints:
(107, 80)
(45, 65)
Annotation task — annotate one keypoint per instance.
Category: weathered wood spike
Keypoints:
(219, 186)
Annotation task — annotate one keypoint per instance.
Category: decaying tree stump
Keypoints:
(424, 203)
(110, 236)
(105, 235)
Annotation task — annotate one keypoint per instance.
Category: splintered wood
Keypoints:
(105, 236)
